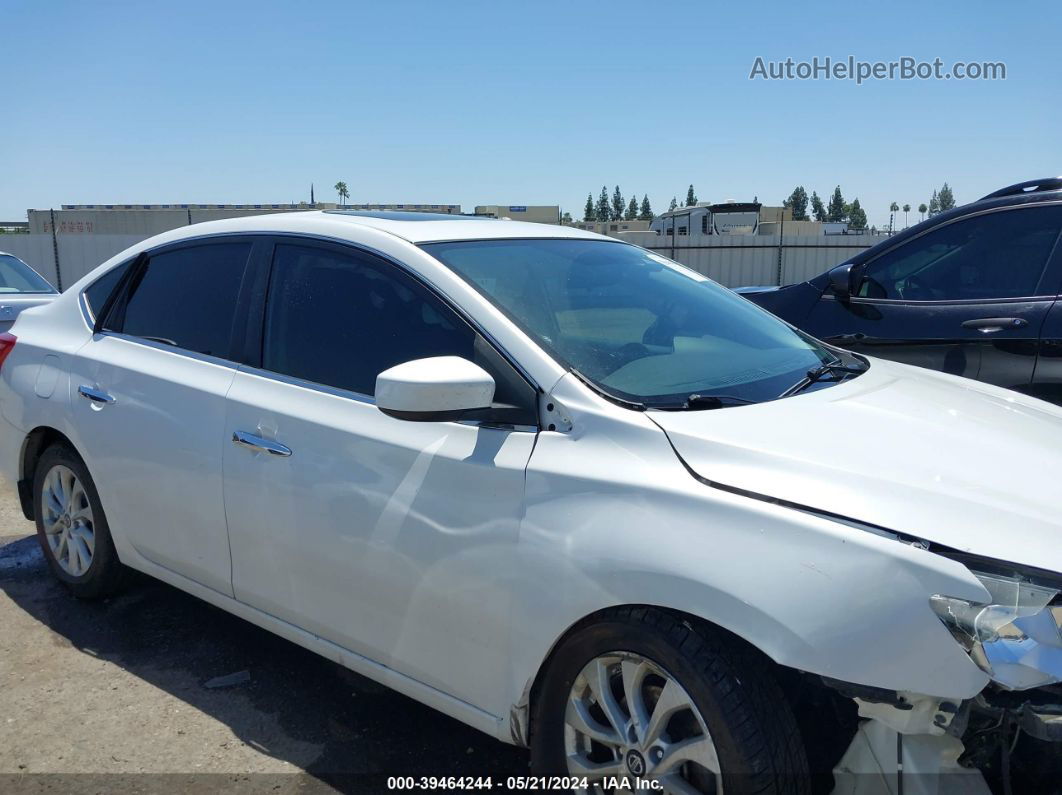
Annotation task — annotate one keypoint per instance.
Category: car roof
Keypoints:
(412, 227)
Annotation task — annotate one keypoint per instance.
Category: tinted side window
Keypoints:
(97, 293)
(340, 320)
(998, 255)
(186, 298)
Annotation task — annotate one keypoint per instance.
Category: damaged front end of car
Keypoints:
(1008, 738)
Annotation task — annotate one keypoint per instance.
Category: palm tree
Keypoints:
(341, 190)
(922, 211)
(906, 209)
(893, 208)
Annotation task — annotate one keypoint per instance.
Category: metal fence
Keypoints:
(732, 260)
(740, 260)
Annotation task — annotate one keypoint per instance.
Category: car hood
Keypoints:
(951, 461)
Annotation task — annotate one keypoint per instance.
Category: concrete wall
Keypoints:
(732, 260)
(749, 260)
(78, 254)
(148, 220)
(35, 250)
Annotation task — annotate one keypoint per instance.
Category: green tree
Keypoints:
(566, 219)
(817, 207)
(588, 211)
(632, 210)
(906, 210)
(857, 217)
(893, 209)
(946, 198)
(691, 197)
(342, 192)
(603, 209)
(934, 205)
(922, 211)
(798, 203)
(836, 209)
(645, 213)
(673, 205)
(617, 205)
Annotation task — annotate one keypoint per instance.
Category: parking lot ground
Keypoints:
(113, 696)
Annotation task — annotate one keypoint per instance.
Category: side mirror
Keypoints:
(842, 280)
(439, 389)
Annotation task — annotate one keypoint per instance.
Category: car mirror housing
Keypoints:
(438, 389)
(842, 280)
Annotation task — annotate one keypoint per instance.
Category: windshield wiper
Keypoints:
(698, 401)
(816, 374)
(715, 401)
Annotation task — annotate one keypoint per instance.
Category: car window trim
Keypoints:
(1041, 284)
(116, 303)
(361, 397)
(100, 318)
(354, 245)
(1028, 299)
(346, 246)
(146, 342)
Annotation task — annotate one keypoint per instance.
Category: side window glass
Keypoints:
(186, 298)
(340, 320)
(986, 257)
(97, 293)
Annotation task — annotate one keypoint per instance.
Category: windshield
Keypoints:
(18, 277)
(638, 326)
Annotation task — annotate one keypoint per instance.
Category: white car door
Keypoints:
(149, 407)
(390, 538)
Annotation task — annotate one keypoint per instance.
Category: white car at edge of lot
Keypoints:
(21, 287)
(555, 486)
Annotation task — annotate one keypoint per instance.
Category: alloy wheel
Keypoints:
(67, 518)
(628, 720)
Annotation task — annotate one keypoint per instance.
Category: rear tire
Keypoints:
(729, 720)
(72, 527)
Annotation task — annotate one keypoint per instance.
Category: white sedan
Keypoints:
(558, 487)
(21, 287)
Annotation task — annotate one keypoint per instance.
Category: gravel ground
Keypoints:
(111, 697)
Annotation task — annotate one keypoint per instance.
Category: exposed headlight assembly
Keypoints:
(1016, 638)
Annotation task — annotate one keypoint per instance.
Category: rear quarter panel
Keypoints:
(34, 380)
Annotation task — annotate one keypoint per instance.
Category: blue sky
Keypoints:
(514, 103)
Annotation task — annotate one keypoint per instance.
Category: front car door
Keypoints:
(968, 297)
(392, 539)
(150, 404)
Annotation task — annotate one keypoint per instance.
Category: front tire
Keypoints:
(72, 527)
(644, 694)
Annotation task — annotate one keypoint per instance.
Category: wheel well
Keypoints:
(827, 721)
(605, 614)
(37, 441)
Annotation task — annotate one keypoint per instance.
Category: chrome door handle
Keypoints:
(95, 395)
(990, 325)
(257, 443)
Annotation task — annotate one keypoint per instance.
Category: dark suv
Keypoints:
(972, 291)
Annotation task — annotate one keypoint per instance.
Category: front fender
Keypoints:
(613, 518)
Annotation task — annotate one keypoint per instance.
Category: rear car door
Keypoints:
(150, 404)
(393, 539)
(968, 297)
